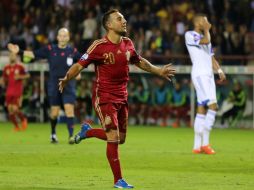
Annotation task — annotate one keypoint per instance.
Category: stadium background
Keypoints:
(157, 29)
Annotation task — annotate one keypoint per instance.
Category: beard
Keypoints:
(122, 33)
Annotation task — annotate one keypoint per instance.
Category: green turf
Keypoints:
(152, 158)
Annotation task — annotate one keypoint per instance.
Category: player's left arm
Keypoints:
(217, 68)
(166, 71)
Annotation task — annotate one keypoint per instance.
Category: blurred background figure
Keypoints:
(180, 106)
(13, 75)
(161, 96)
(84, 108)
(237, 99)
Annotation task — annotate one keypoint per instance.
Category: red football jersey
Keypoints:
(14, 87)
(111, 67)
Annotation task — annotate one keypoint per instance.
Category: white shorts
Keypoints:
(205, 89)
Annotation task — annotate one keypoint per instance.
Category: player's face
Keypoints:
(199, 22)
(63, 37)
(12, 57)
(117, 23)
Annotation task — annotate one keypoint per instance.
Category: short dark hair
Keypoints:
(198, 15)
(106, 16)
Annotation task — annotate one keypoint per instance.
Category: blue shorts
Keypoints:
(67, 97)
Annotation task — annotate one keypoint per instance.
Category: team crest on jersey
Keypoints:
(107, 120)
(128, 55)
(84, 57)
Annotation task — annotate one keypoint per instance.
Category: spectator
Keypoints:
(180, 106)
(161, 103)
(238, 99)
(89, 29)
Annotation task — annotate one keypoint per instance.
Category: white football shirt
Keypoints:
(200, 54)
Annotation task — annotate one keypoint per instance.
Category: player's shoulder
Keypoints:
(189, 33)
(96, 44)
(20, 65)
(126, 38)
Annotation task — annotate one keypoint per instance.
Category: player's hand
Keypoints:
(222, 76)
(13, 48)
(206, 24)
(167, 71)
(62, 83)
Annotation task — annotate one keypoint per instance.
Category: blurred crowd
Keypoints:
(156, 26)
(152, 100)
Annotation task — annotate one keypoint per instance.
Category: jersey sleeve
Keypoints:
(192, 39)
(91, 56)
(134, 57)
(43, 52)
(211, 50)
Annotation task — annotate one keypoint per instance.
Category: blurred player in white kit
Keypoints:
(198, 43)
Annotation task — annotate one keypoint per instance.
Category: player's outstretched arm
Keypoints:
(166, 71)
(217, 68)
(72, 73)
(14, 48)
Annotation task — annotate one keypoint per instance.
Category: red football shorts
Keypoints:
(113, 115)
(13, 100)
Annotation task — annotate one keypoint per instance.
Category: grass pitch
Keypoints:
(152, 158)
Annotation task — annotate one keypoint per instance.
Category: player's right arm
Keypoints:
(207, 37)
(72, 73)
(87, 58)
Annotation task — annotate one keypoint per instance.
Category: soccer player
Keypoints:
(13, 75)
(198, 43)
(60, 57)
(111, 56)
